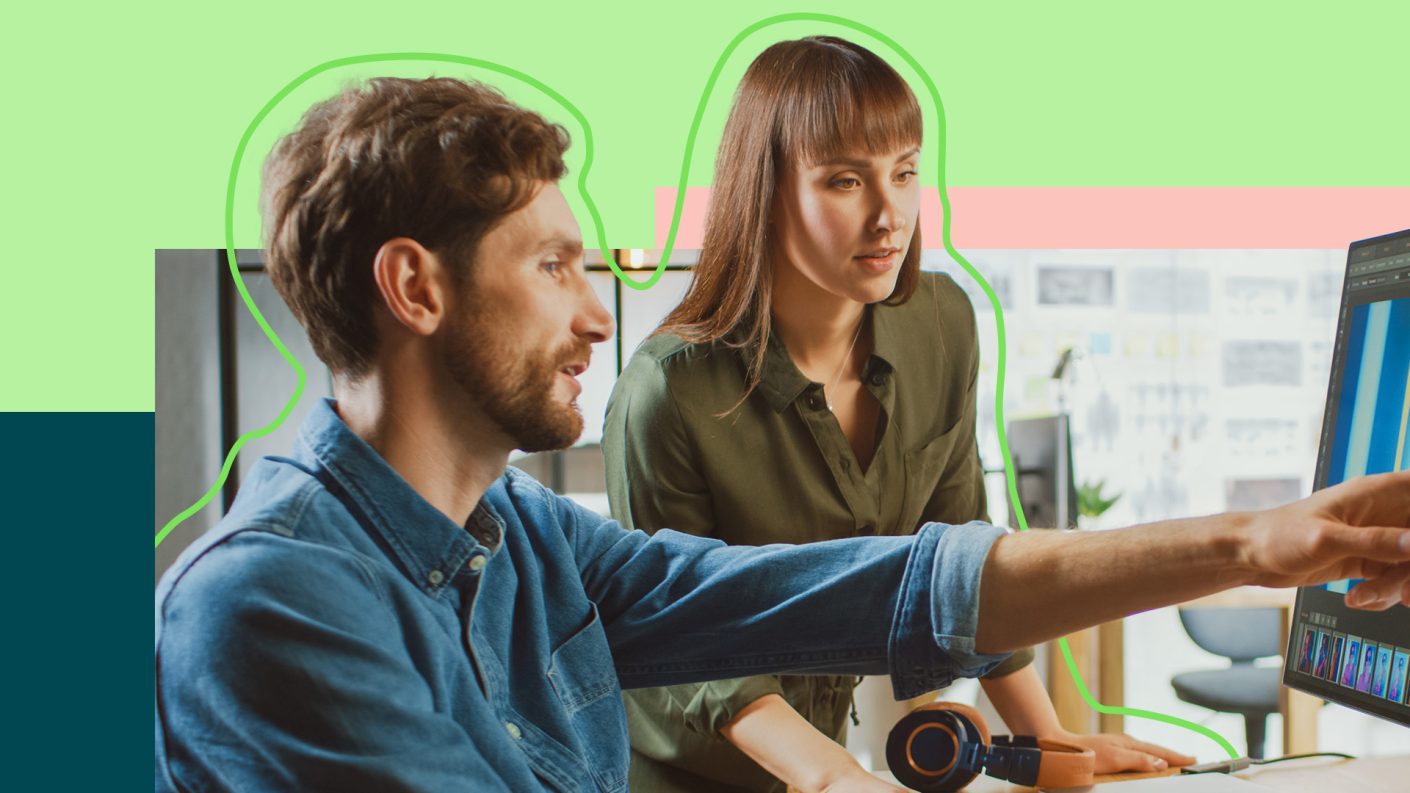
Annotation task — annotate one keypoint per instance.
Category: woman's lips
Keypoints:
(878, 263)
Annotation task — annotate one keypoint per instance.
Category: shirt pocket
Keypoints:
(584, 680)
(923, 467)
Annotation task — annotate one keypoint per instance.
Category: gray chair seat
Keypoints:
(1239, 689)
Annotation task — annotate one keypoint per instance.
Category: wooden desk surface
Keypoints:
(1313, 775)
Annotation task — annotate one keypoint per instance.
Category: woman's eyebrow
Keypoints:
(853, 162)
(847, 161)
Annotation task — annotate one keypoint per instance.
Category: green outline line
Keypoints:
(651, 281)
(1143, 714)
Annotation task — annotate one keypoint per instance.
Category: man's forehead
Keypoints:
(545, 223)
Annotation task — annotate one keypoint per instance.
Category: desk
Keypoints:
(1313, 775)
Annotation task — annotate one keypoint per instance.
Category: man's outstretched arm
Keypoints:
(1040, 585)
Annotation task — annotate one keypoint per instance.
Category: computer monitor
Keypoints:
(1034, 445)
(1356, 658)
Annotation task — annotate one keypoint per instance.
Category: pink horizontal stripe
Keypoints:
(1128, 217)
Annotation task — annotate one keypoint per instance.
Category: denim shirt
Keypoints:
(337, 632)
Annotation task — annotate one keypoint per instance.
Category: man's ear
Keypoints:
(412, 282)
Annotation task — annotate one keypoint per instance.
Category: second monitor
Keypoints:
(1042, 457)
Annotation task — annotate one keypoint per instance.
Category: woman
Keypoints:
(812, 384)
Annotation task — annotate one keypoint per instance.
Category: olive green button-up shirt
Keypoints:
(779, 469)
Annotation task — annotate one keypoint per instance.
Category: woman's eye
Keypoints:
(846, 182)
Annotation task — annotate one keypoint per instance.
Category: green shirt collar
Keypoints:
(782, 383)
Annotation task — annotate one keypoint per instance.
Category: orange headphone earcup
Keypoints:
(980, 731)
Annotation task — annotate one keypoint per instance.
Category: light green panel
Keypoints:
(121, 122)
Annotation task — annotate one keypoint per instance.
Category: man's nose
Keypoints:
(592, 321)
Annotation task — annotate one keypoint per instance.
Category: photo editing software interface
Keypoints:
(1360, 658)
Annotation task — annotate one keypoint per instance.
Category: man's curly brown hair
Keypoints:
(440, 161)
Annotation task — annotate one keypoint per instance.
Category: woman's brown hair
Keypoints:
(803, 101)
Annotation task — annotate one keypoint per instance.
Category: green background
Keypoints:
(121, 122)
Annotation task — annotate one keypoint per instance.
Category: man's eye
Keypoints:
(905, 176)
(552, 267)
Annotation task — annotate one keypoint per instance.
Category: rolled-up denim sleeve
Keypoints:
(937, 614)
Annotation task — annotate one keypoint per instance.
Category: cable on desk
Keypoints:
(1240, 763)
(1301, 756)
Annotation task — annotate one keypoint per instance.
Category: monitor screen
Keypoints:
(1360, 658)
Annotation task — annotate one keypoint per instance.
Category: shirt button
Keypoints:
(878, 378)
(435, 577)
(815, 402)
(513, 730)
(477, 563)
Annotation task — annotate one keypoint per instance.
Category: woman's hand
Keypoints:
(1117, 752)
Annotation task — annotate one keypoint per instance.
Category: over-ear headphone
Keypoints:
(943, 746)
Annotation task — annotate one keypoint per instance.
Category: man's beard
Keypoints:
(514, 388)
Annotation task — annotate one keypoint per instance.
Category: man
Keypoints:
(390, 609)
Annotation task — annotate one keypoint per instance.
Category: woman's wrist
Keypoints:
(833, 771)
(774, 735)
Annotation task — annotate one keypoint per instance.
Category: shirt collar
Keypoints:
(782, 382)
(428, 545)
(887, 342)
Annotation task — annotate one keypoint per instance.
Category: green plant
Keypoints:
(1090, 501)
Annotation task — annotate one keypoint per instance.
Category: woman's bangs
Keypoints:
(871, 113)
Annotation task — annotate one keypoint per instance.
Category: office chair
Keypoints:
(1241, 635)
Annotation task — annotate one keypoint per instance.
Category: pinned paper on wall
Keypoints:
(1261, 297)
(1074, 286)
(1262, 363)
(1152, 291)
(1167, 345)
(1262, 438)
(1137, 345)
